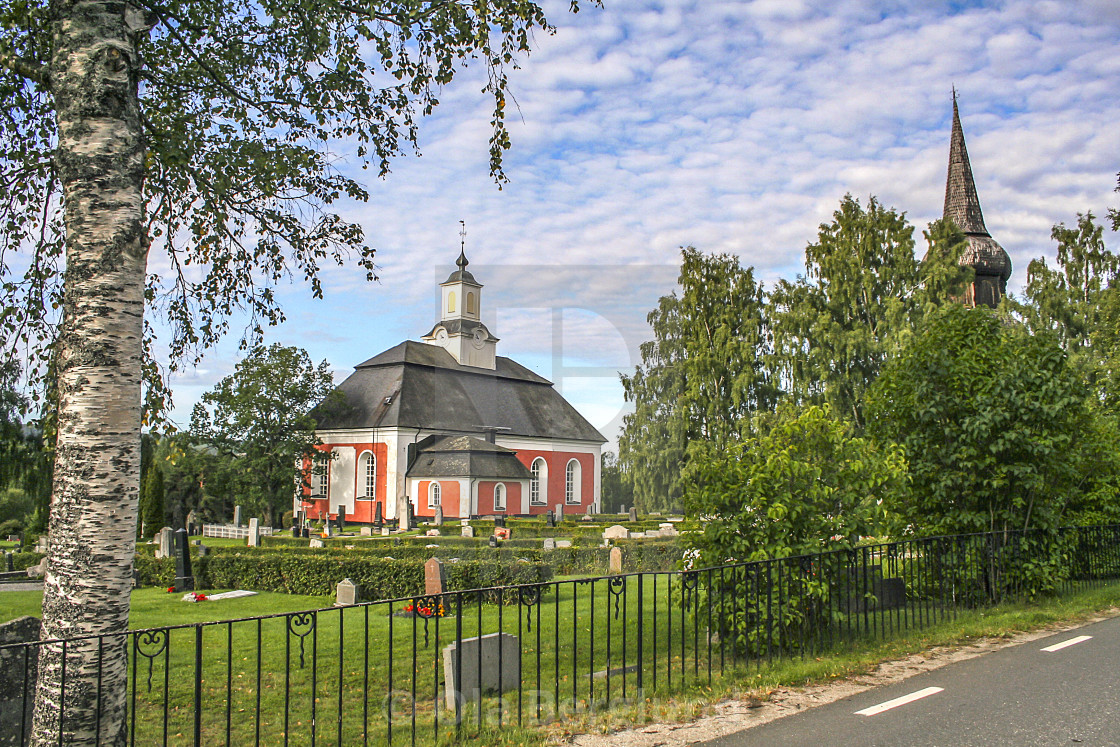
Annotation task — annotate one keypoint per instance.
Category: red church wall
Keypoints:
(364, 508)
(448, 498)
(557, 462)
(486, 498)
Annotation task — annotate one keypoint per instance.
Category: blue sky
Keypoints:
(730, 126)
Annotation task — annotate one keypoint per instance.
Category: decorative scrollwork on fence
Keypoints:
(150, 644)
(301, 624)
(426, 608)
(528, 596)
(616, 586)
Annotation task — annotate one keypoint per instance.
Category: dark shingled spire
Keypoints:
(962, 206)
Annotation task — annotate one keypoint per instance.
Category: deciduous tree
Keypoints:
(201, 132)
(258, 416)
(700, 378)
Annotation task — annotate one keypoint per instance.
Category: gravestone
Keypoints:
(499, 521)
(560, 513)
(637, 535)
(378, 518)
(346, 593)
(667, 529)
(499, 657)
(237, 516)
(407, 521)
(560, 544)
(366, 531)
(493, 541)
(184, 579)
(468, 531)
(203, 550)
(549, 518)
(191, 522)
(633, 513)
(305, 532)
(616, 532)
(435, 577)
(586, 517)
(9, 565)
(384, 531)
(340, 520)
(549, 543)
(42, 544)
(163, 549)
(328, 529)
(15, 671)
(439, 516)
(316, 542)
(254, 532)
(431, 533)
(296, 531)
(464, 522)
(616, 560)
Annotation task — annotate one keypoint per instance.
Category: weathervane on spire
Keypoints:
(462, 261)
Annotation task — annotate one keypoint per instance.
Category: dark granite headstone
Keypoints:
(340, 521)
(296, 531)
(378, 518)
(499, 521)
(184, 580)
(549, 519)
(305, 532)
(409, 521)
(493, 541)
(8, 565)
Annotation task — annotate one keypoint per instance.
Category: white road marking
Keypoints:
(1065, 644)
(877, 709)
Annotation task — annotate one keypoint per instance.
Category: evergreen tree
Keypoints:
(152, 511)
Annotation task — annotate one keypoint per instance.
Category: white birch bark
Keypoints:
(100, 158)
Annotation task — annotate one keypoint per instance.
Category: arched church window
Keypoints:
(471, 306)
(538, 482)
(368, 472)
(572, 482)
(499, 497)
(433, 495)
(451, 302)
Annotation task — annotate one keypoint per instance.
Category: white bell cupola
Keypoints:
(460, 330)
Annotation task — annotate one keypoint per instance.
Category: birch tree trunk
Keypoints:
(100, 158)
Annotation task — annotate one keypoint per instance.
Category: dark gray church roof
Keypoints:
(415, 385)
(463, 456)
(962, 205)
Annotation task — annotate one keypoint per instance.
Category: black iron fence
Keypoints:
(437, 668)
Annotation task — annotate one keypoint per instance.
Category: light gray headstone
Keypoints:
(468, 531)
(549, 543)
(559, 513)
(616, 532)
(237, 516)
(316, 542)
(439, 516)
(464, 522)
(254, 532)
(432, 533)
(563, 543)
(164, 548)
(366, 531)
(616, 560)
(633, 514)
(346, 593)
(500, 654)
(385, 531)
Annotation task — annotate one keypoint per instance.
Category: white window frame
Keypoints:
(367, 466)
(323, 477)
(434, 491)
(500, 490)
(538, 483)
(573, 479)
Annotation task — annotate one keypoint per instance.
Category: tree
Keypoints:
(992, 420)
(152, 516)
(862, 292)
(1078, 301)
(259, 416)
(204, 131)
(617, 489)
(804, 485)
(700, 378)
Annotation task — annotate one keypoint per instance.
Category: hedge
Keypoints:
(378, 578)
(21, 561)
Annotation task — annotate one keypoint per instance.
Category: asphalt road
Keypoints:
(1019, 695)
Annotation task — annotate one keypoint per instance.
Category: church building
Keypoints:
(962, 205)
(448, 423)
